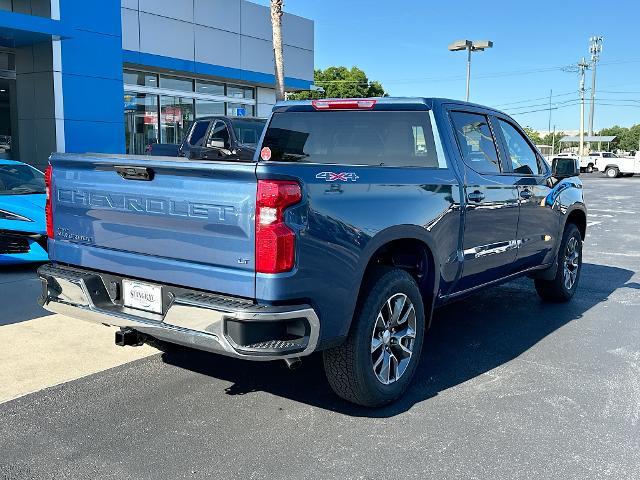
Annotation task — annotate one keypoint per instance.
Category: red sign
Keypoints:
(265, 154)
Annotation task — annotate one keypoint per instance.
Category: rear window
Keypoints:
(353, 138)
(248, 131)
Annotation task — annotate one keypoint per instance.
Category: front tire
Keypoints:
(590, 168)
(376, 363)
(569, 260)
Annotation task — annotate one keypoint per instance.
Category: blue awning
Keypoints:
(18, 30)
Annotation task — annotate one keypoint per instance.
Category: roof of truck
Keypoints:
(427, 101)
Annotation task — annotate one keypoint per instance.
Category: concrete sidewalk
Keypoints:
(54, 349)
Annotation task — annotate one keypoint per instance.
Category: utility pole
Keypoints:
(550, 95)
(583, 66)
(553, 141)
(595, 48)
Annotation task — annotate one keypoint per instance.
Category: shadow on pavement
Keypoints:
(19, 292)
(467, 338)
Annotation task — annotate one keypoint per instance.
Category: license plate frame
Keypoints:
(142, 296)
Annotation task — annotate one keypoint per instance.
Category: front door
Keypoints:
(491, 209)
(539, 224)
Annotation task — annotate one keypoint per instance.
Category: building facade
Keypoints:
(115, 76)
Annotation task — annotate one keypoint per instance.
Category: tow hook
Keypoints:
(293, 363)
(129, 337)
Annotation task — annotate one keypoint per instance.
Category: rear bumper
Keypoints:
(210, 322)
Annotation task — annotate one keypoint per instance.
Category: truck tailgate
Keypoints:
(190, 224)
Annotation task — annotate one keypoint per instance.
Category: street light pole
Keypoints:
(470, 46)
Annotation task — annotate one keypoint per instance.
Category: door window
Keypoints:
(219, 137)
(198, 131)
(523, 158)
(476, 141)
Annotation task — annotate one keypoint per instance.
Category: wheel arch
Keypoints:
(408, 247)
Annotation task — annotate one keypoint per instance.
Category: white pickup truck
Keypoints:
(614, 166)
(587, 163)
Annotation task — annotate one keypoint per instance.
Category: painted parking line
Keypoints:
(51, 350)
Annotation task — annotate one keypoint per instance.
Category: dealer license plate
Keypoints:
(142, 296)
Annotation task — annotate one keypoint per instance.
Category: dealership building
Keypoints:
(115, 76)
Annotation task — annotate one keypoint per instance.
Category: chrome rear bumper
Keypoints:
(194, 319)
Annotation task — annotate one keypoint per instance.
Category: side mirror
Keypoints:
(565, 167)
(216, 144)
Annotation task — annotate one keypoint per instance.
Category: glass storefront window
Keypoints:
(141, 121)
(176, 116)
(175, 83)
(239, 110)
(210, 88)
(206, 108)
(239, 92)
(140, 78)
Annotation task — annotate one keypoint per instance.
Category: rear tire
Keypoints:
(590, 168)
(612, 172)
(569, 261)
(376, 363)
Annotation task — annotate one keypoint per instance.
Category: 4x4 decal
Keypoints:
(338, 177)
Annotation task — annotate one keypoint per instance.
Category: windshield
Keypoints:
(20, 180)
(248, 131)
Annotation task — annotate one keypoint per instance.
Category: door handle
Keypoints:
(526, 194)
(476, 196)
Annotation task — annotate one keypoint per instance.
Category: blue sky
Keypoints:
(404, 45)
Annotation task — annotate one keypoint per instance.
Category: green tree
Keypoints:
(619, 132)
(342, 82)
(548, 139)
(533, 135)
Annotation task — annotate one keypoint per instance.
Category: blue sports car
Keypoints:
(23, 231)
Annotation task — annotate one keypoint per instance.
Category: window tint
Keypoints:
(523, 158)
(248, 131)
(175, 83)
(20, 179)
(353, 138)
(207, 108)
(476, 141)
(220, 134)
(209, 88)
(140, 78)
(198, 131)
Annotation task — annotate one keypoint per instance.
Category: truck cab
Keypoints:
(222, 137)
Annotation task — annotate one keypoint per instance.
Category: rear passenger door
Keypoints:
(491, 207)
(539, 223)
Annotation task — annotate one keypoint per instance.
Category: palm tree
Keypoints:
(276, 27)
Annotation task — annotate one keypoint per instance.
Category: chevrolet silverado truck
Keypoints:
(352, 223)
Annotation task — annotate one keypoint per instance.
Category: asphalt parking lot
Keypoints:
(508, 387)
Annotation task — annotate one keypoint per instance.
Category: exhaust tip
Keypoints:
(293, 363)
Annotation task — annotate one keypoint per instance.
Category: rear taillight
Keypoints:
(48, 173)
(275, 241)
(345, 104)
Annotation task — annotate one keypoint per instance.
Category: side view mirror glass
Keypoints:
(565, 167)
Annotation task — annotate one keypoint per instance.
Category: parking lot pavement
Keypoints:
(508, 387)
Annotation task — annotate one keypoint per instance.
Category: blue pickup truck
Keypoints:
(354, 221)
